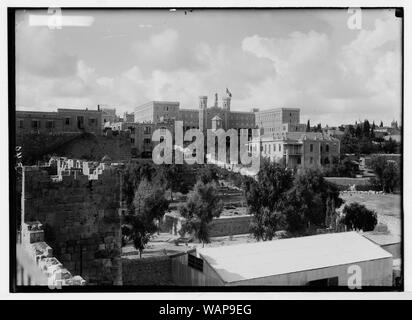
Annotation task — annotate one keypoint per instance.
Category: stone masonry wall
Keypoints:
(80, 218)
(226, 226)
(155, 271)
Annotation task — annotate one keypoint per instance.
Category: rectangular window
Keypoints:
(311, 160)
(280, 147)
(147, 130)
(50, 124)
(67, 121)
(194, 262)
(311, 148)
(21, 124)
(35, 124)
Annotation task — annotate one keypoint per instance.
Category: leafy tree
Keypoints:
(381, 125)
(344, 168)
(149, 205)
(208, 173)
(203, 205)
(306, 204)
(357, 217)
(390, 146)
(391, 176)
(133, 174)
(172, 177)
(264, 197)
(387, 173)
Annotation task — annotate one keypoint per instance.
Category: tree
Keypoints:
(264, 197)
(203, 205)
(149, 205)
(172, 177)
(391, 176)
(366, 128)
(387, 173)
(208, 173)
(381, 125)
(357, 217)
(310, 201)
(308, 126)
(132, 175)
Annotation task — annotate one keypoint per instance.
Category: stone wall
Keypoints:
(80, 218)
(154, 271)
(226, 226)
(36, 260)
(223, 226)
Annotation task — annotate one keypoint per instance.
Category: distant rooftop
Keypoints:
(263, 259)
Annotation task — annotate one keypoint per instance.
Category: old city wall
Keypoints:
(80, 218)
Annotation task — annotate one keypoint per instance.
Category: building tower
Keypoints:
(226, 103)
(203, 114)
(226, 110)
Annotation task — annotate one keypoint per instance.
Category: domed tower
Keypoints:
(203, 114)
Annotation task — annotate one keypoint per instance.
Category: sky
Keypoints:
(308, 59)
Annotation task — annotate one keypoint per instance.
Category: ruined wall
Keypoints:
(81, 221)
(154, 271)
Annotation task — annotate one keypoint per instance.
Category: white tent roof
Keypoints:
(263, 259)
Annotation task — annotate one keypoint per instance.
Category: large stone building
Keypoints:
(159, 111)
(62, 121)
(279, 119)
(285, 140)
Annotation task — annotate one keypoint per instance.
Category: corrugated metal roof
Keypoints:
(263, 259)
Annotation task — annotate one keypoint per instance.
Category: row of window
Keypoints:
(36, 124)
(268, 147)
(321, 148)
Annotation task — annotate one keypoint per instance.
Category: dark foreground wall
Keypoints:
(153, 271)
(81, 221)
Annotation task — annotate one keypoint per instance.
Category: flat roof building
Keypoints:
(319, 260)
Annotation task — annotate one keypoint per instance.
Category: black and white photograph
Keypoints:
(206, 149)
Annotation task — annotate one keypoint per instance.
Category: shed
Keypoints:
(319, 260)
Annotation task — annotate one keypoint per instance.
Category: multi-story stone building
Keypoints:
(108, 115)
(141, 135)
(158, 111)
(299, 149)
(62, 121)
(35, 122)
(279, 119)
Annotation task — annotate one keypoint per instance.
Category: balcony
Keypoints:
(292, 150)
